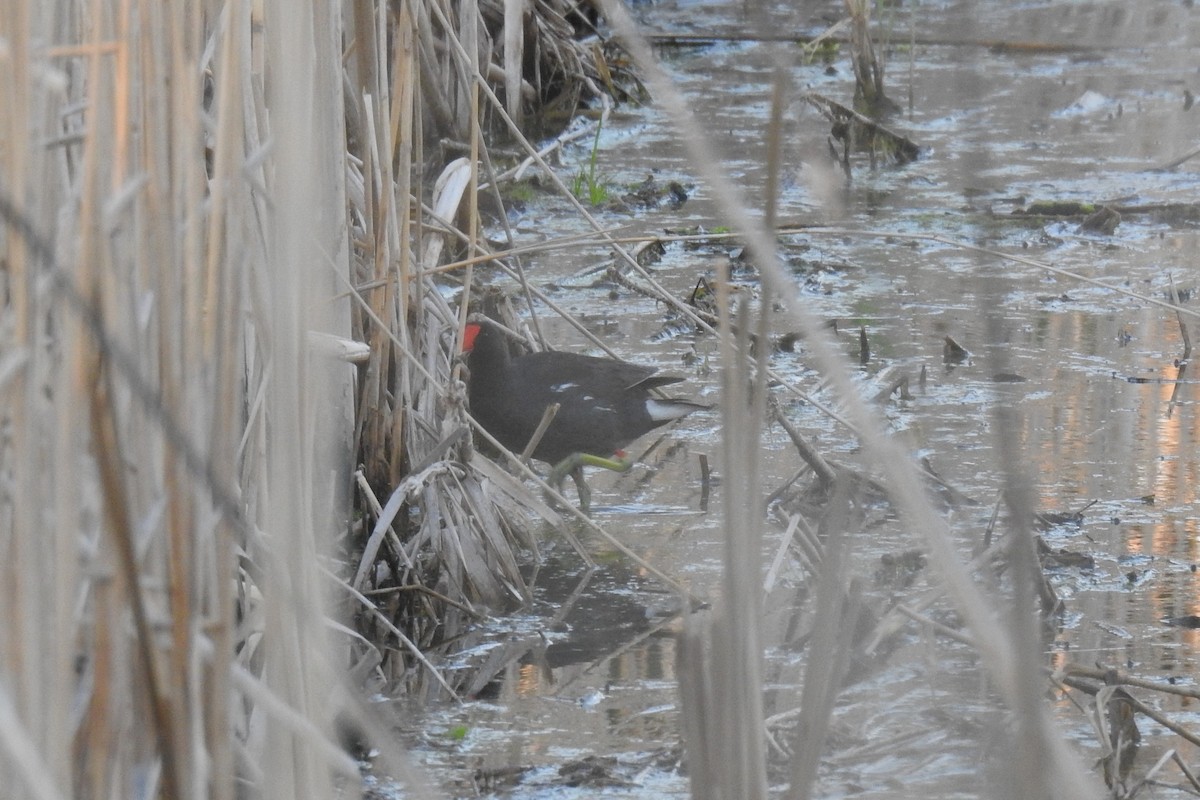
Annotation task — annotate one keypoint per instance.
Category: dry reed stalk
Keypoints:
(305, 228)
(514, 53)
(37, 625)
(835, 608)
(720, 656)
(737, 639)
(869, 97)
(178, 311)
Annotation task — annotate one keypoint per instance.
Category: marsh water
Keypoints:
(1012, 103)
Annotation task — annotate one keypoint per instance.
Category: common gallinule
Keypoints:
(603, 404)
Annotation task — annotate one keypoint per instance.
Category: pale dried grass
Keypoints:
(178, 415)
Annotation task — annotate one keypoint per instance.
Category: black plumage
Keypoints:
(604, 404)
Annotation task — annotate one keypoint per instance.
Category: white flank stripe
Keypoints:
(660, 410)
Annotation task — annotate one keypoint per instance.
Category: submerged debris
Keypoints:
(652, 193)
(858, 133)
(1052, 519)
(1063, 558)
(1118, 719)
(953, 352)
(1103, 220)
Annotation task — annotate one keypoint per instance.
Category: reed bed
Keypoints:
(215, 303)
(236, 472)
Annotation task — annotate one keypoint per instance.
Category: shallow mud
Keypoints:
(581, 697)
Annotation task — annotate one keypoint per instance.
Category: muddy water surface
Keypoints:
(585, 701)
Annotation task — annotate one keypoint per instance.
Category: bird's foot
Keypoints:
(573, 465)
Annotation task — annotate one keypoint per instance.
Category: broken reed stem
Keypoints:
(1031, 47)
(377, 509)
(1154, 714)
(547, 417)
(935, 626)
(808, 453)
(1116, 677)
(1183, 329)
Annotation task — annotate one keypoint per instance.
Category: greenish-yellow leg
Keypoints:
(573, 465)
